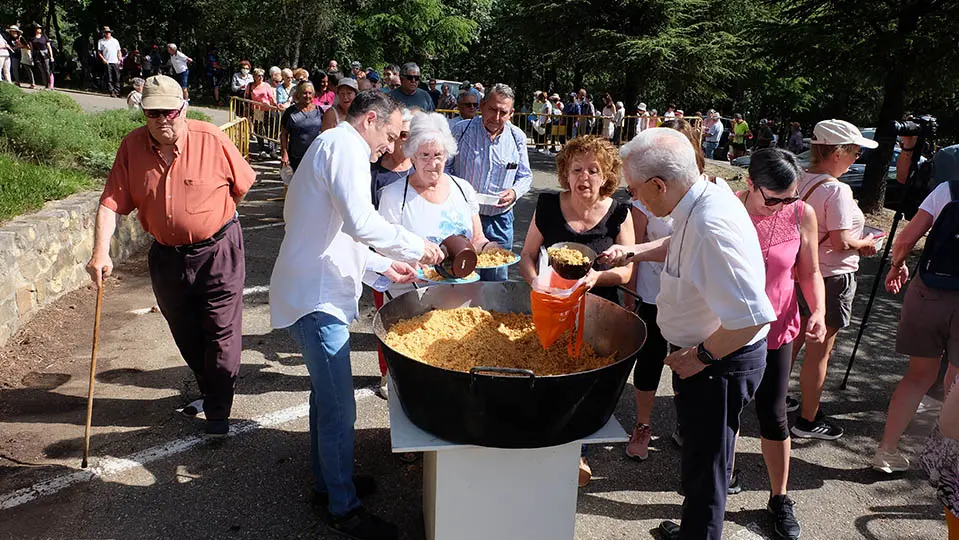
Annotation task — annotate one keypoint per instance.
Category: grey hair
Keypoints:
(137, 81)
(408, 113)
(501, 90)
(429, 127)
(662, 153)
(171, 46)
(287, 72)
(275, 69)
(409, 67)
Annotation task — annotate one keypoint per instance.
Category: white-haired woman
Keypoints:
(284, 89)
(429, 202)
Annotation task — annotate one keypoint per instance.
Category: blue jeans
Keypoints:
(709, 148)
(709, 405)
(325, 342)
(498, 229)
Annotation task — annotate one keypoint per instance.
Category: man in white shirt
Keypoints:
(108, 50)
(180, 63)
(317, 281)
(713, 311)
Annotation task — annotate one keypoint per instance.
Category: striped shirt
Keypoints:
(491, 166)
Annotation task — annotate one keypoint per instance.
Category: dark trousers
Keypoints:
(113, 78)
(41, 71)
(200, 293)
(709, 405)
(15, 66)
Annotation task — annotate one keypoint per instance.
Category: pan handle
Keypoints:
(630, 292)
(502, 371)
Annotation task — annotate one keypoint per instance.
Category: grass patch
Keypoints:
(24, 187)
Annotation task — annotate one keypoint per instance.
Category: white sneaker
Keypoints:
(890, 462)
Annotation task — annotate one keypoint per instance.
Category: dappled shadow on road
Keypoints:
(253, 485)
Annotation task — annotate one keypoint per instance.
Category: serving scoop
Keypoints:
(460, 258)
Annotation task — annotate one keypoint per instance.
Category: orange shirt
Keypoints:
(187, 201)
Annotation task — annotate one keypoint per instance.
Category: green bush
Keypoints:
(9, 96)
(25, 187)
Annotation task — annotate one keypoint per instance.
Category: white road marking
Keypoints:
(267, 226)
(110, 466)
(256, 290)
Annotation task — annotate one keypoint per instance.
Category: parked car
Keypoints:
(854, 175)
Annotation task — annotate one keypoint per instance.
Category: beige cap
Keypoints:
(348, 81)
(106, 29)
(838, 132)
(162, 92)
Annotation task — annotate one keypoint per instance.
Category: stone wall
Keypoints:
(43, 255)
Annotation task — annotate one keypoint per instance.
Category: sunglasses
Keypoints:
(170, 114)
(469, 104)
(773, 201)
(411, 77)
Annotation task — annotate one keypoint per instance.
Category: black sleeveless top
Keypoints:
(552, 225)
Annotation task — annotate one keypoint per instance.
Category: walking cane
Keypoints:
(93, 371)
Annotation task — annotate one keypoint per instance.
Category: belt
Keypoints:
(194, 247)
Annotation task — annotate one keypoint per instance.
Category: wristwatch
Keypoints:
(705, 356)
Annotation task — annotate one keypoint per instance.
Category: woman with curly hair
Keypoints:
(589, 170)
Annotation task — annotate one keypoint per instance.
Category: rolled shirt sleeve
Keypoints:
(116, 193)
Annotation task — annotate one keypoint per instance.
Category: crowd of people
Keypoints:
(731, 286)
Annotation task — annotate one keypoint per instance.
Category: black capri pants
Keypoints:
(649, 366)
(771, 394)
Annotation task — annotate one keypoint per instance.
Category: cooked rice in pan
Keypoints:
(494, 257)
(567, 256)
(432, 275)
(463, 338)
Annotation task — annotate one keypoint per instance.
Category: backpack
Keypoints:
(943, 167)
(939, 263)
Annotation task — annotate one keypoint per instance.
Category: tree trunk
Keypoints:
(872, 197)
(297, 41)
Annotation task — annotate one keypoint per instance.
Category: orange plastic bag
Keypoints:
(555, 315)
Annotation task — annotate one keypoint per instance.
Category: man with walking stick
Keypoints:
(185, 179)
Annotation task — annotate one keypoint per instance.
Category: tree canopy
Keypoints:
(790, 60)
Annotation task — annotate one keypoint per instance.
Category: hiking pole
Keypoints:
(93, 370)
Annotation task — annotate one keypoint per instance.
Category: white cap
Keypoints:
(836, 132)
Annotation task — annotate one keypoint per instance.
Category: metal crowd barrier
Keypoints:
(264, 120)
(238, 131)
(552, 131)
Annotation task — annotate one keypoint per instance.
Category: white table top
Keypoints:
(407, 437)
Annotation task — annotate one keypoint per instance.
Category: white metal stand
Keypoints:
(479, 493)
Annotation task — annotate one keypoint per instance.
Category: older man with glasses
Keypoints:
(409, 92)
(493, 158)
(185, 179)
(468, 106)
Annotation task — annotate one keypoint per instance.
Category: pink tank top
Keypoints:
(779, 239)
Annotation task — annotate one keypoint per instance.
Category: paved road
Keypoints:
(93, 102)
(154, 478)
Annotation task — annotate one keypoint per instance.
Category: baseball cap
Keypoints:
(348, 81)
(356, 64)
(838, 132)
(162, 92)
(373, 75)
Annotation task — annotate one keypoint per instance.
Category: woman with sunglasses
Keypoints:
(836, 144)
(787, 237)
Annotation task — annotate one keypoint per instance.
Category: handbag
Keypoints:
(26, 58)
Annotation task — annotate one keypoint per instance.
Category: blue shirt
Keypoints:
(491, 166)
(420, 99)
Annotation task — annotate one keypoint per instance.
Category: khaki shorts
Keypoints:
(929, 323)
(840, 292)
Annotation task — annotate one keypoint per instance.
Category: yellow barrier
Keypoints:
(265, 120)
(238, 131)
(552, 131)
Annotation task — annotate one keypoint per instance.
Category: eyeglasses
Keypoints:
(428, 158)
(773, 201)
(469, 104)
(170, 114)
(411, 77)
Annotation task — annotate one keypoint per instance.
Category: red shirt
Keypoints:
(188, 200)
